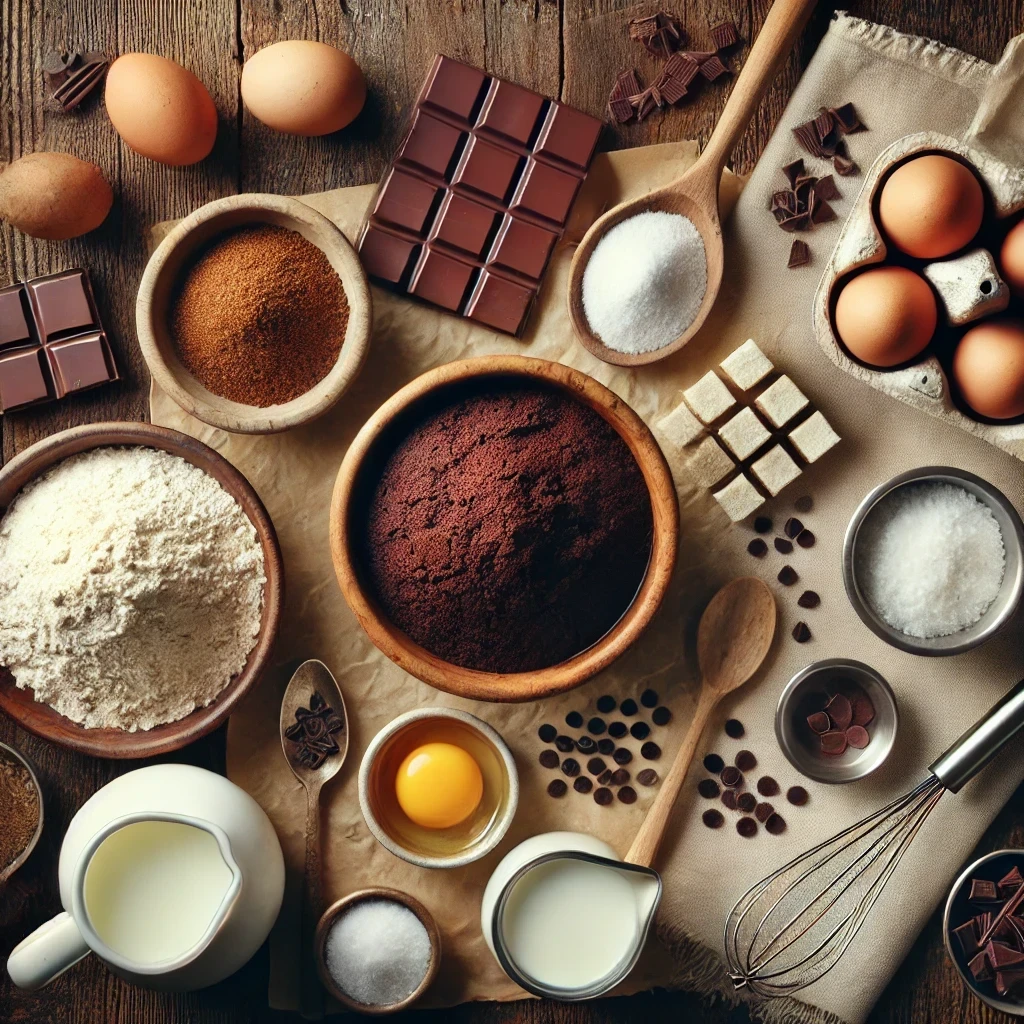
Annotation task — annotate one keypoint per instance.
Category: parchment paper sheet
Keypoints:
(899, 85)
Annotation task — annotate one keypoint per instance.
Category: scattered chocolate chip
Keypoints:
(547, 733)
(840, 710)
(713, 763)
(647, 777)
(603, 796)
(556, 788)
(801, 632)
(582, 784)
(819, 722)
(606, 704)
(571, 767)
(605, 746)
(805, 539)
(857, 736)
(775, 825)
(620, 777)
(734, 728)
(628, 708)
(650, 751)
(804, 503)
(731, 777)
(622, 756)
(833, 743)
(763, 812)
(548, 759)
(605, 777)
(596, 765)
(797, 796)
(586, 745)
(799, 254)
(762, 524)
(596, 726)
(729, 799)
(746, 802)
(565, 743)
(767, 786)
(747, 827)
(713, 818)
(757, 548)
(746, 761)
(792, 528)
(649, 698)
(707, 788)
(574, 719)
(640, 730)
(661, 716)
(627, 795)
(617, 730)
(783, 546)
(787, 576)
(808, 599)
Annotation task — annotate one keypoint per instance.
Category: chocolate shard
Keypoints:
(807, 135)
(840, 711)
(847, 118)
(784, 199)
(983, 891)
(670, 89)
(857, 736)
(682, 68)
(819, 722)
(833, 743)
(967, 936)
(826, 188)
(800, 222)
(821, 212)
(699, 56)
(713, 68)
(979, 967)
(824, 124)
(799, 254)
(1011, 982)
(1000, 955)
(863, 709)
(1010, 883)
(724, 35)
(793, 171)
(843, 165)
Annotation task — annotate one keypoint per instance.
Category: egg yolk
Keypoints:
(439, 785)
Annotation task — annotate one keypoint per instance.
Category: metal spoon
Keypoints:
(695, 194)
(314, 737)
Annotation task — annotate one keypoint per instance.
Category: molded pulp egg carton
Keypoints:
(967, 284)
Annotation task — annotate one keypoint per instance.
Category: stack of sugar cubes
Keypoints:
(746, 449)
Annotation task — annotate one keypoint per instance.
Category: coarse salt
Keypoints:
(930, 559)
(645, 281)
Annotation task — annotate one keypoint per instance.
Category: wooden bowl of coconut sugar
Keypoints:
(141, 588)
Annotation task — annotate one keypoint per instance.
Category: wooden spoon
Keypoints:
(733, 639)
(315, 754)
(695, 194)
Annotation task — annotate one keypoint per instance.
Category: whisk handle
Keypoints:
(976, 747)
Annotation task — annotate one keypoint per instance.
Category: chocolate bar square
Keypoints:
(405, 201)
(510, 111)
(62, 304)
(546, 192)
(14, 317)
(440, 279)
(80, 363)
(23, 379)
(386, 256)
(499, 303)
(452, 88)
(522, 247)
(463, 224)
(486, 169)
(569, 136)
(430, 145)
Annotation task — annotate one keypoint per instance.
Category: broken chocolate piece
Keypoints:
(724, 35)
(843, 165)
(627, 84)
(983, 891)
(821, 212)
(840, 711)
(660, 33)
(824, 124)
(787, 576)
(808, 599)
(847, 119)
(819, 722)
(1001, 955)
(799, 254)
(857, 736)
(978, 966)
(713, 68)
(1009, 883)
(794, 171)
(825, 188)
(833, 743)
(72, 77)
(807, 135)
(968, 938)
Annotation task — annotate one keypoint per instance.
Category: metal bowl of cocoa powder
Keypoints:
(21, 809)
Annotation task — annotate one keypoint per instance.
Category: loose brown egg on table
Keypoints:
(160, 109)
(886, 316)
(988, 366)
(303, 87)
(1011, 259)
(931, 206)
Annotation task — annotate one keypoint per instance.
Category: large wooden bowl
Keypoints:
(493, 686)
(40, 718)
(163, 272)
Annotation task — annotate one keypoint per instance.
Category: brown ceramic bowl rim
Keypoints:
(320, 943)
(44, 721)
(10, 753)
(517, 686)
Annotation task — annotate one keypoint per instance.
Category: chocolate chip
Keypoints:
(596, 726)
(746, 802)
(808, 599)
(833, 743)
(776, 825)
(763, 812)
(565, 743)
(757, 548)
(805, 540)
(840, 710)
(605, 777)
(603, 796)
(605, 746)
(622, 756)
(734, 729)
(547, 733)
(713, 818)
(649, 777)
(731, 777)
(707, 788)
(793, 528)
(729, 799)
(797, 796)
(548, 759)
(787, 576)
(801, 632)
(649, 698)
(556, 788)
(620, 777)
(713, 763)
(574, 719)
(804, 503)
(746, 761)
(767, 786)
(606, 704)
(596, 765)
(571, 767)
(628, 708)
(583, 784)
(661, 716)
(857, 736)
(627, 795)
(650, 751)
(819, 722)
(783, 546)
(640, 730)
(618, 730)
(586, 745)
(762, 524)
(747, 827)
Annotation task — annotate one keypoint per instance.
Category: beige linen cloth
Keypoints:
(899, 85)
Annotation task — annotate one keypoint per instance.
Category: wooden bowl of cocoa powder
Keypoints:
(268, 403)
(619, 488)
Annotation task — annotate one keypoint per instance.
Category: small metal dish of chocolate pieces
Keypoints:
(837, 720)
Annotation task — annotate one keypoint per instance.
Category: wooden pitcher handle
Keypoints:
(312, 995)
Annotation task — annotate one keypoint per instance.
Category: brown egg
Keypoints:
(931, 206)
(886, 316)
(988, 366)
(160, 109)
(1011, 258)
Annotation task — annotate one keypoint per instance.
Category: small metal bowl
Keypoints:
(994, 866)
(807, 692)
(10, 754)
(1002, 608)
(331, 914)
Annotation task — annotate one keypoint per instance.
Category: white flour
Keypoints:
(131, 586)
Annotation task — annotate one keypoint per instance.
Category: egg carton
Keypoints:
(968, 285)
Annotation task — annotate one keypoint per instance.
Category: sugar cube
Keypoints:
(814, 437)
(747, 366)
(709, 463)
(739, 498)
(679, 427)
(781, 402)
(744, 433)
(775, 470)
(709, 397)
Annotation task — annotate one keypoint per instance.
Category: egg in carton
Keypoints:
(967, 285)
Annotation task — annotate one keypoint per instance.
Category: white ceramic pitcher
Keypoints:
(164, 829)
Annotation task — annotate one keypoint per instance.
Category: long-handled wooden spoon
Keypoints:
(695, 194)
(733, 639)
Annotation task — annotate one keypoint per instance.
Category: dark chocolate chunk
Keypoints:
(622, 756)
(71, 77)
(1010, 882)
(571, 767)
(605, 746)
(847, 118)
(747, 827)
(713, 818)
(807, 135)
(708, 789)
(806, 539)
(557, 787)
(762, 524)
(582, 784)
(833, 743)
(808, 599)
(713, 68)
(801, 632)
(729, 799)
(734, 728)
(983, 891)
(640, 730)
(783, 546)
(606, 704)
(763, 812)
(596, 765)
(627, 794)
(603, 796)
(819, 722)
(565, 743)
(843, 165)
(792, 527)
(596, 726)
(548, 759)
(979, 968)
(767, 786)
(787, 576)
(605, 777)
(547, 733)
(746, 761)
(757, 548)
(799, 254)
(797, 796)
(620, 777)
(628, 708)
(647, 777)
(794, 171)
(649, 698)
(825, 188)
(627, 84)
(586, 744)
(840, 711)
(746, 802)
(650, 751)
(775, 825)
(574, 719)
(731, 777)
(617, 730)
(862, 710)
(661, 716)
(724, 35)
(804, 503)
(713, 763)
(857, 736)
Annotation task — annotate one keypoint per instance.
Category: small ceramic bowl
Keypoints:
(1008, 598)
(807, 692)
(10, 754)
(992, 866)
(163, 271)
(331, 914)
(371, 787)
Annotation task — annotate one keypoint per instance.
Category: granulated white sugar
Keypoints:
(645, 281)
(930, 559)
(378, 952)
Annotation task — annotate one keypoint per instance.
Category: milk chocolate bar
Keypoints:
(479, 192)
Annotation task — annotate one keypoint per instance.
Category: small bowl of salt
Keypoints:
(933, 561)
(377, 950)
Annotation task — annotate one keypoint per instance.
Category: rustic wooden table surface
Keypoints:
(543, 44)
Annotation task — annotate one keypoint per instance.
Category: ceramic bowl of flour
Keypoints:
(42, 719)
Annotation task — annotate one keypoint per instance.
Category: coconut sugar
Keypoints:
(931, 559)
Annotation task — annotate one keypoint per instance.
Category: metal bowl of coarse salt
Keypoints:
(921, 562)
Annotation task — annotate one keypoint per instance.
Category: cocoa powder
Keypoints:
(509, 529)
(260, 316)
